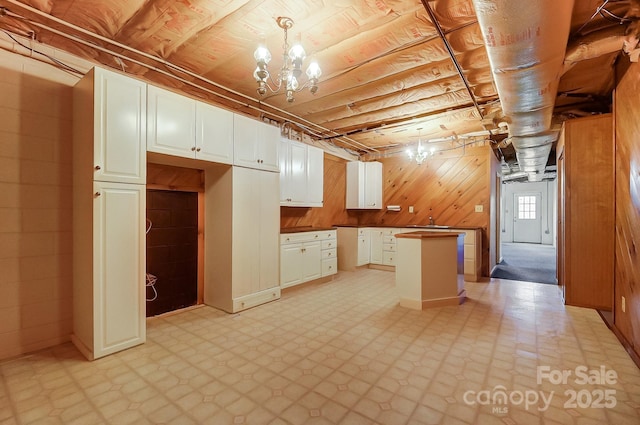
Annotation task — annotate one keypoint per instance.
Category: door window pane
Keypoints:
(526, 207)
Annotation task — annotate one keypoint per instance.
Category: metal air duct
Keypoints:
(525, 42)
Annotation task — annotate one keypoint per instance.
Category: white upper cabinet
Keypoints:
(214, 134)
(315, 176)
(256, 144)
(181, 126)
(301, 174)
(364, 185)
(110, 119)
(171, 123)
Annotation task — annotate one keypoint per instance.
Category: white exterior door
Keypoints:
(527, 223)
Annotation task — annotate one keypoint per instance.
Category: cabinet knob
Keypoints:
(316, 236)
(97, 194)
(197, 149)
(287, 239)
(193, 148)
(97, 167)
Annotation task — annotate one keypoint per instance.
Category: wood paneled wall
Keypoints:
(627, 238)
(446, 187)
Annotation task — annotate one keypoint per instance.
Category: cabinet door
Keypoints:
(268, 147)
(119, 267)
(355, 185)
(171, 123)
(312, 260)
(245, 146)
(315, 176)
(285, 172)
(298, 174)
(246, 233)
(291, 267)
(268, 215)
(373, 185)
(214, 134)
(364, 247)
(120, 107)
(377, 237)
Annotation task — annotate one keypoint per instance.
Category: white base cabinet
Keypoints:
(241, 244)
(306, 256)
(377, 246)
(109, 198)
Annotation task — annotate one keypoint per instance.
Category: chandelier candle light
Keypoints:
(420, 155)
(289, 74)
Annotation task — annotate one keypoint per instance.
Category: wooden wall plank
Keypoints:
(627, 219)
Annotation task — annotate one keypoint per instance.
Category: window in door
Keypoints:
(526, 207)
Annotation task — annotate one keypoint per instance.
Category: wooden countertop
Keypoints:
(305, 229)
(425, 234)
(411, 226)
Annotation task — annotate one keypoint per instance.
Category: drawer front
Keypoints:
(469, 267)
(298, 237)
(389, 258)
(329, 266)
(330, 244)
(328, 234)
(389, 247)
(328, 253)
(469, 252)
(389, 240)
(307, 236)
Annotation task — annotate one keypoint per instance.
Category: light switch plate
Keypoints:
(479, 208)
(411, 209)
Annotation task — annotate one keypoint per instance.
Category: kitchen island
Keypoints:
(429, 267)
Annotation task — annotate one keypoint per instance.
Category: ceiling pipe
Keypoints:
(525, 42)
(447, 46)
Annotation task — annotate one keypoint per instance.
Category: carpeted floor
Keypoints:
(529, 262)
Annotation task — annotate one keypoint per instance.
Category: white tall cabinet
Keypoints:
(109, 175)
(242, 239)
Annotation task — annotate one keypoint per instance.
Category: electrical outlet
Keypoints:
(411, 209)
(479, 208)
(624, 305)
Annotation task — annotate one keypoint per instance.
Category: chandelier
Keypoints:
(420, 154)
(289, 75)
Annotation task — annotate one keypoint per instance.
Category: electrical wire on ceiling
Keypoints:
(606, 14)
(58, 62)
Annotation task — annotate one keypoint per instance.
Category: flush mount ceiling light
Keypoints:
(420, 154)
(289, 75)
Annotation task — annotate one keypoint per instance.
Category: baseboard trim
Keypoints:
(635, 357)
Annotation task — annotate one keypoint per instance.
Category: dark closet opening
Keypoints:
(172, 250)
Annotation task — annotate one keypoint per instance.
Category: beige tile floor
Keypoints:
(342, 352)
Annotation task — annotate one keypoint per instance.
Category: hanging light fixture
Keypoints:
(288, 77)
(420, 154)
